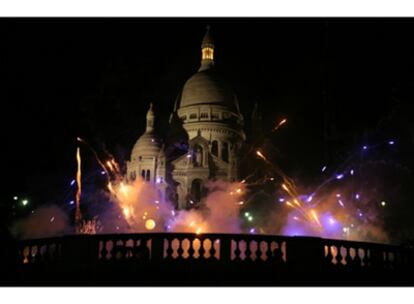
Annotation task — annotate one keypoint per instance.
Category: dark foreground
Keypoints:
(177, 259)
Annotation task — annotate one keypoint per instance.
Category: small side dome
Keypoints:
(149, 144)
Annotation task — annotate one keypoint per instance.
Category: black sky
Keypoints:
(340, 82)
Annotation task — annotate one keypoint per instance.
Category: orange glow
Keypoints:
(207, 53)
(126, 211)
(78, 192)
(260, 155)
(150, 224)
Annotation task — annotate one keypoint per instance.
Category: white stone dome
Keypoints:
(205, 87)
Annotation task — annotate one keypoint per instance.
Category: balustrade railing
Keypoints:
(291, 253)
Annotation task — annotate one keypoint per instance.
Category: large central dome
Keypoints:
(205, 87)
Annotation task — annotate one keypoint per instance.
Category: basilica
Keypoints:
(208, 112)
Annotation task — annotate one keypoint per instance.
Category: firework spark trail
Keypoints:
(95, 154)
(78, 215)
(281, 123)
(290, 188)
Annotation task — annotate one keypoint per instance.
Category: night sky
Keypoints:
(341, 83)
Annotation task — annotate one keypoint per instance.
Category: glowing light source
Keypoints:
(383, 203)
(150, 224)
(338, 195)
(246, 214)
(52, 219)
(281, 199)
(250, 218)
(391, 142)
(207, 53)
(258, 153)
(25, 202)
(341, 203)
(339, 176)
(352, 172)
(71, 202)
(198, 231)
(15, 198)
(124, 189)
(103, 172)
(357, 196)
(315, 217)
(282, 122)
(331, 221)
(125, 210)
(323, 168)
(285, 187)
(72, 182)
(364, 147)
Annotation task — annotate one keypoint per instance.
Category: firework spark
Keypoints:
(78, 215)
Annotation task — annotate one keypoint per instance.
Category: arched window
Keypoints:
(204, 115)
(148, 176)
(196, 190)
(214, 148)
(225, 152)
(143, 174)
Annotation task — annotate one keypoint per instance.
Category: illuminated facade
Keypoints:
(209, 113)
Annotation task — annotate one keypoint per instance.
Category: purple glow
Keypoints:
(72, 182)
(338, 195)
(339, 176)
(331, 221)
(252, 230)
(364, 147)
(357, 196)
(71, 202)
(188, 156)
(281, 199)
(103, 172)
(360, 214)
(309, 198)
(341, 203)
(391, 142)
(158, 180)
(352, 171)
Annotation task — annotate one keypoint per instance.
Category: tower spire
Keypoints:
(150, 119)
(207, 51)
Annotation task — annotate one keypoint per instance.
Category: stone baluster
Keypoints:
(169, 250)
(237, 251)
(329, 256)
(348, 258)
